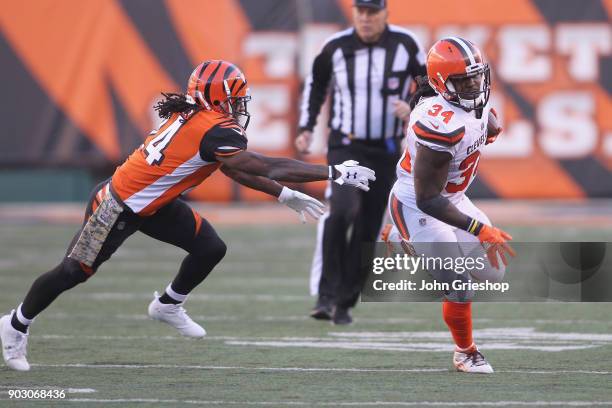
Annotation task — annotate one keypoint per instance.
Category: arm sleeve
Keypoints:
(315, 89)
(222, 141)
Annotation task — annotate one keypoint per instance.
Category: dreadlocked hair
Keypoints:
(175, 103)
(424, 90)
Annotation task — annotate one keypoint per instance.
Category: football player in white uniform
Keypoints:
(428, 205)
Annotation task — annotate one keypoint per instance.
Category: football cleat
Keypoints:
(175, 316)
(341, 316)
(323, 310)
(14, 345)
(471, 361)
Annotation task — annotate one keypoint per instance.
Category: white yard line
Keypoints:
(241, 368)
(510, 333)
(302, 369)
(289, 318)
(174, 338)
(490, 341)
(405, 347)
(106, 296)
(519, 338)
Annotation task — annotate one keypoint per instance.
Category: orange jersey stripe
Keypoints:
(167, 164)
(398, 218)
(228, 154)
(198, 221)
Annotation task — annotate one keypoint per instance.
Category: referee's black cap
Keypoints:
(375, 4)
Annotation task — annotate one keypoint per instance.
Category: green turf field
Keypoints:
(96, 343)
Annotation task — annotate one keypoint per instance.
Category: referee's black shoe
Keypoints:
(341, 316)
(322, 310)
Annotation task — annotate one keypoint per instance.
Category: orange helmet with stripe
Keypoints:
(457, 71)
(222, 87)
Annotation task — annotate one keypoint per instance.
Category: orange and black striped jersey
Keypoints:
(176, 157)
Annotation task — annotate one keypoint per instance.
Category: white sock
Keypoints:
(22, 319)
(176, 296)
(460, 350)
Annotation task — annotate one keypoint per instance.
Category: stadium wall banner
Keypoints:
(80, 80)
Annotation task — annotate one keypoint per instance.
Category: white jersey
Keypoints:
(441, 126)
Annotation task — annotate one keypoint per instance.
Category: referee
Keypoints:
(368, 69)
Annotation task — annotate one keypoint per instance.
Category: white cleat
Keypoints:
(471, 362)
(175, 316)
(14, 345)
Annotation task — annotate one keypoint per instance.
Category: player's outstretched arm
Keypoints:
(290, 170)
(430, 174)
(258, 183)
(298, 202)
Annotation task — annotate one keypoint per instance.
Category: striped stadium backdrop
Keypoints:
(80, 79)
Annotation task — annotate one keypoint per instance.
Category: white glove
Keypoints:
(354, 175)
(301, 203)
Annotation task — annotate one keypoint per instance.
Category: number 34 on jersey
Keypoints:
(440, 126)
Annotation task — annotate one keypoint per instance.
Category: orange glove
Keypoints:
(497, 240)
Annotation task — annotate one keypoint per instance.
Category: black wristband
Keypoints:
(474, 226)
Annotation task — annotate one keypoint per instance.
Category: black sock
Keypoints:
(166, 300)
(17, 325)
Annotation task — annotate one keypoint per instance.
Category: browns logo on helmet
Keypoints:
(457, 71)
(221, 86)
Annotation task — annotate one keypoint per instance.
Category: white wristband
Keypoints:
(331, 173)
(284, 194)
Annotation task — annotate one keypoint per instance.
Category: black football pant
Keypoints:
(176, 224)
(355, 218)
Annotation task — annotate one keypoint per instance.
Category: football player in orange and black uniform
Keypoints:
(203, 130)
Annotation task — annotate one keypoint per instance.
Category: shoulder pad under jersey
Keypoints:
(436, 122)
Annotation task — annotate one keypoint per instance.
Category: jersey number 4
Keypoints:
(154, 150)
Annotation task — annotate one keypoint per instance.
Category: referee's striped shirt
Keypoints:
(365, 80)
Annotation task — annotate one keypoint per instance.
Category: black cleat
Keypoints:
(341, 316)
(322, 310)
